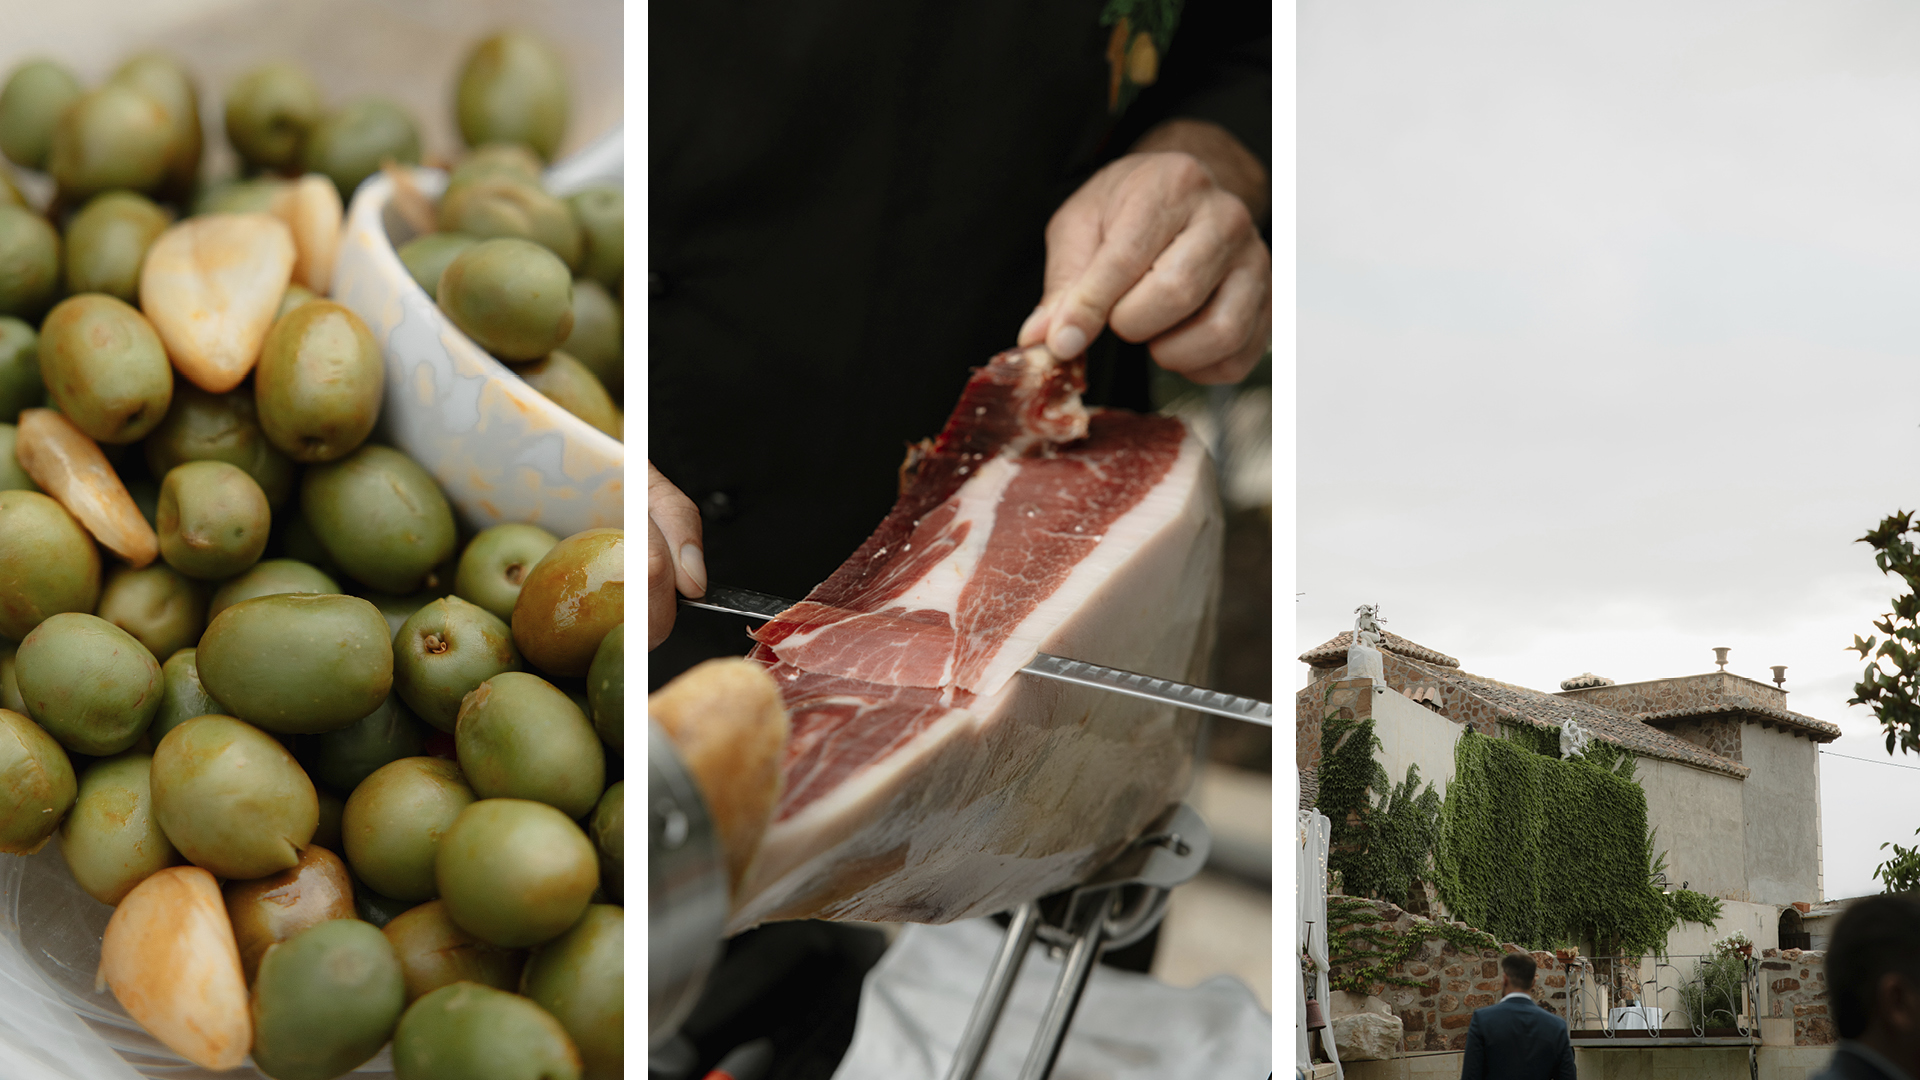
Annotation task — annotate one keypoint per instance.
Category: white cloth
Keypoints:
(915, 1005)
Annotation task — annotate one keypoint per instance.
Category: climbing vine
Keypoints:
(1383, 834)
(1544, 852)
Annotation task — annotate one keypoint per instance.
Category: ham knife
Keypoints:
(755, 605)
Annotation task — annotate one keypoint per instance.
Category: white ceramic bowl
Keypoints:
(499, 448)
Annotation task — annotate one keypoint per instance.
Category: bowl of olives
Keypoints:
(310, 766)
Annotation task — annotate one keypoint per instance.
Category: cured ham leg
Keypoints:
(924, 779)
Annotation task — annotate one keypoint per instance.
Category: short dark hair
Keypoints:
(1518, 968)
(1876, 935)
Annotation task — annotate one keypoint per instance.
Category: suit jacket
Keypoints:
(1516, 1039)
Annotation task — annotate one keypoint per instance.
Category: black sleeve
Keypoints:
(1219, 68)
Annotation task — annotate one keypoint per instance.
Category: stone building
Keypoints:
(1731, 774)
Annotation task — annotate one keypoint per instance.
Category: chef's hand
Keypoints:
(1161, 245)
(674, 559)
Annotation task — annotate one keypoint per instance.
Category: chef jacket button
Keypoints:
(718, 507)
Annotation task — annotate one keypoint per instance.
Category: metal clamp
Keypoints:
(1119, 905)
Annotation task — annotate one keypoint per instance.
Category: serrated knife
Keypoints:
(755, 605)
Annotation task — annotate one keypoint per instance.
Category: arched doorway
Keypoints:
(1793, 934)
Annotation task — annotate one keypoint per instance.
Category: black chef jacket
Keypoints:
(847, 203)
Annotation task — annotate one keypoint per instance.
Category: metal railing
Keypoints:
(1701, 984)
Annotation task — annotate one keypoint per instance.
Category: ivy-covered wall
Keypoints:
(1528, 847)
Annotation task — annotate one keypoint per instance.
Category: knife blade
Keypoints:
(758, 605)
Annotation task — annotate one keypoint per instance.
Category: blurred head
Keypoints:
(1518, 969)
(1873, 975)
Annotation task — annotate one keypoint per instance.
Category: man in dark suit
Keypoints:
(1514, 1038)
(1873, 984)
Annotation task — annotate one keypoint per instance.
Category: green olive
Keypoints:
(240, 197)
(325, 1001)
(435, 953)
(426, 257)
(269, 910)
(515, 872)
(496, 561)
(231, 799)
(298, 663)
(380, 516)
(13, 477)
(29, 262)
(513, 88)
(395, 822)
(36, 784)
(162, 608)
(269, 577)
(443, 652)
(295, 295)
(270, 109)
(319, 382)
(114, 136)
(500, 205)
(520, 737)
(348, 756)
(595, 340)
(602, 214)
(183, 696)
(48, 563)
(9, 685)
(36, 94)
(607, 687)
(569, 384)
(580, 978)
(200, 426)
(212, 520)
(165, 79)
(475, 1032)
(510, 158)
(108, 240)
(20, 385)
(88, 682)
(110, 839)
(513, 297)
(608, 830)
(571, 599)
(351, 144)
(105, 368)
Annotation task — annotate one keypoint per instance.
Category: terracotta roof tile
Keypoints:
(1520, 704)
(1819, 730)
(1334, 653)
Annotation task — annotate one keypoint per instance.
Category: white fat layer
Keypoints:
(1125, 536)
(977, 501)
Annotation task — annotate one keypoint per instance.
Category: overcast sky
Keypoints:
(1608, 325)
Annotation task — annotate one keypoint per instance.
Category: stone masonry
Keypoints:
(1453, 982)
(1795, 984)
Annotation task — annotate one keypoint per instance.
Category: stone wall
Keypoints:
(1795, 984)
(1685, 692)
(1453, 982)
(1719, 734)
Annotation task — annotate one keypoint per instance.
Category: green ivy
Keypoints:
(1383, 835)
(1693, 907)
(1544, 852)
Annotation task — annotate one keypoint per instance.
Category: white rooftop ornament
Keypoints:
(1573, 739)
(1363, 654)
